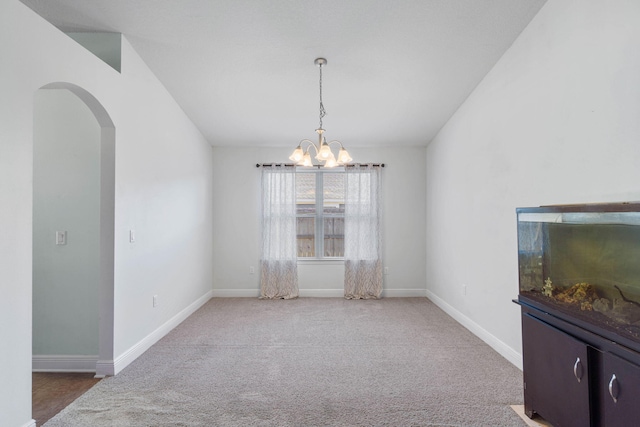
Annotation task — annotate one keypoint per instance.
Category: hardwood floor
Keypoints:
(53, 391)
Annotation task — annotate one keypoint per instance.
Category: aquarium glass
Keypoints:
(583, 263)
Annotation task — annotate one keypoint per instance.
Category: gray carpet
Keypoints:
(309, 362)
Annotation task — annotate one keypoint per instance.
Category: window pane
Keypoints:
(306, 193)
(334, 237)
(306, 210)
(333, 210)
(333, 193)
(306, 237)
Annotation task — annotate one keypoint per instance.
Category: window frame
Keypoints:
(319, 215)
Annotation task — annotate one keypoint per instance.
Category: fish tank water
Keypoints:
(583, 261)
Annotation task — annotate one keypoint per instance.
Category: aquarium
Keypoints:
(583, 261)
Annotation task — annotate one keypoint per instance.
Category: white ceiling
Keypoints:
(243, 70)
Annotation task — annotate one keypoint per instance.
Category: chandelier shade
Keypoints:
(324, 155)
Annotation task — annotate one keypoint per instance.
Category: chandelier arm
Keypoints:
(336, 142)
(309, 145)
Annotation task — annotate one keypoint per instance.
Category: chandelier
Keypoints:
(302, 157)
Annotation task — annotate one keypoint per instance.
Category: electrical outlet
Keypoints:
(252, 270)
(155, 300)
(132, 236)
(386, 270)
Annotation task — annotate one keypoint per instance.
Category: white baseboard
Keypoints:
(31, 423)
(143, 345)
(255, 293)
(321, 293)
(63, 363)
(403, 293)
(105, 368)
(503, 349)
(235, 293)
(316, 293)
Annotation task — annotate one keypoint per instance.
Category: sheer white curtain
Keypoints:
(362, 234)
(278, 266)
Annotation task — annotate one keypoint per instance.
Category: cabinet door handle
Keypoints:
(613, 388)
(577, 369)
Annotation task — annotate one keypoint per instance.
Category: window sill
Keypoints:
(316, 261)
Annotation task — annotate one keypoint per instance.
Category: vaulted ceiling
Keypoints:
(243, 70)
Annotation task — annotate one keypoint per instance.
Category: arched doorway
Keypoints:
(79, 181)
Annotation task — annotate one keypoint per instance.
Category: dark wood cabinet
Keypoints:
(556, 379)
(573, 377)
(619, 392)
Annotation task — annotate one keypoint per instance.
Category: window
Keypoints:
(320, 214)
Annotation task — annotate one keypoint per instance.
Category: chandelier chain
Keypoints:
(302, 156)
(322, 110)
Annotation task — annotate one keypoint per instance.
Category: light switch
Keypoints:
(61, 237)
(132, 236)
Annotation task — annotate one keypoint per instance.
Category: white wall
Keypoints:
(164, 194)
(66, 197)
(163, 190)
(556, 121)
(237, 222)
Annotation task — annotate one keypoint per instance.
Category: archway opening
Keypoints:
(73, 232)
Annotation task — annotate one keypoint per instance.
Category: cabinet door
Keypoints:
(621, 384)
(556, 375)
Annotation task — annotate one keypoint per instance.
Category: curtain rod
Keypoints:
(375, 165)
